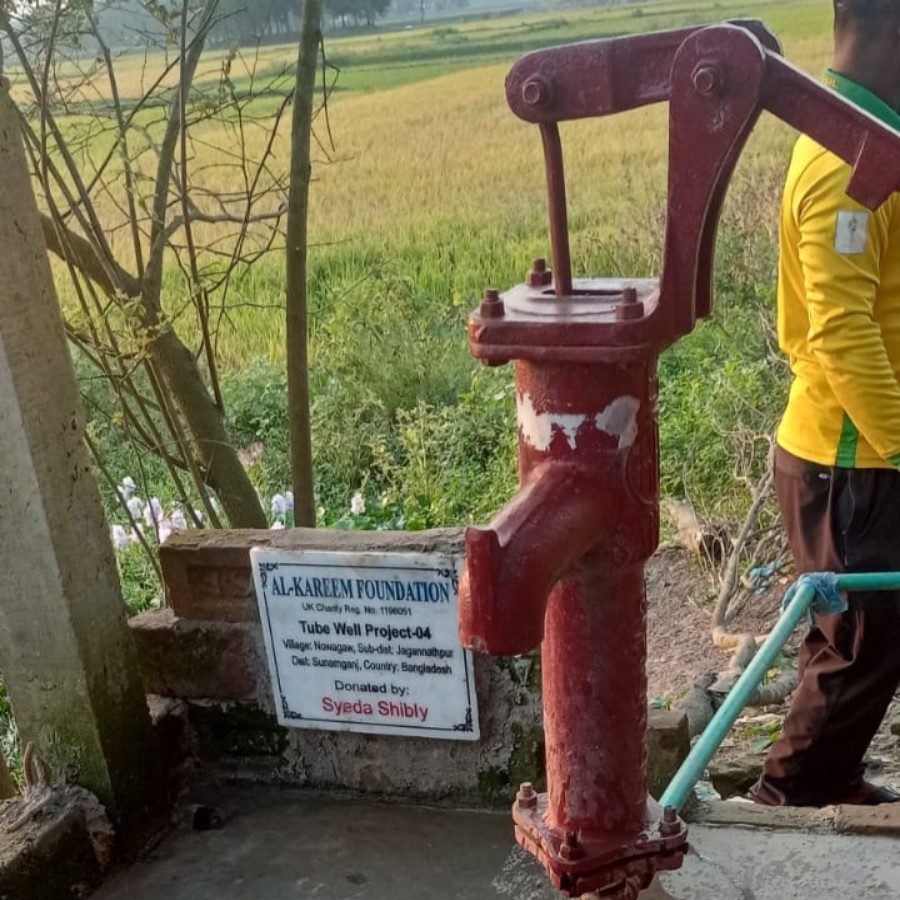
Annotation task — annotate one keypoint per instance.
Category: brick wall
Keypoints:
(205, 648)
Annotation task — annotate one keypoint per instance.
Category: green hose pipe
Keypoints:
(819, 592)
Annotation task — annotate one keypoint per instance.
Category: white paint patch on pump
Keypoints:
(537, 428)
(619, 420)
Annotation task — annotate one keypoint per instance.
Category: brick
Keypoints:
(207, 573)
(884, 819)
(668, 745)
(781, 818)
(196, 660)
(208, 583)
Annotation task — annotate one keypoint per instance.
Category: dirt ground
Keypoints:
(680, 600)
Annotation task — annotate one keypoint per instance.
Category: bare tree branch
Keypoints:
(153, 275)
(83, 254)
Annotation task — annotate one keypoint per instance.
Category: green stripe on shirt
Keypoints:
(863, 98)
(846, 452)
(875, 106)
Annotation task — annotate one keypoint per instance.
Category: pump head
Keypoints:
(717, 81)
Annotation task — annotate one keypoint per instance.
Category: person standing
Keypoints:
(837, 455)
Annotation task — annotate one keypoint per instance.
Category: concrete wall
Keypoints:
(68, 662)
(206, 649)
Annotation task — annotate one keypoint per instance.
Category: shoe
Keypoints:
(865, 793)
(868, 794)
(764, 794)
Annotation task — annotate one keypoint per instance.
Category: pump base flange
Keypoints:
(612, 865)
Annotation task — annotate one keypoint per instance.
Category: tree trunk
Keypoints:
(177, 368)
(210, 452)
(68, 659)
(296, 268)
(212, 445)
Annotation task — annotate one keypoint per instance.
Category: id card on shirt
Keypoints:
(852, 233)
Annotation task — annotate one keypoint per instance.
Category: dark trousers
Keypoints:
(837, 520)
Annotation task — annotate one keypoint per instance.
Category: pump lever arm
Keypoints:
(578, 81)
(864, 142)
(718, 80)
(595, 78)
(722, 79)
(602, 77)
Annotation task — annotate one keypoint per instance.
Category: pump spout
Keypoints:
(561, 567)
(513, 563)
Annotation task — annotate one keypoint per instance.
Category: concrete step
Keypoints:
(277, 844)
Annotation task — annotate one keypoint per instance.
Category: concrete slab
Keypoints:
(751, 864)
(276, 845)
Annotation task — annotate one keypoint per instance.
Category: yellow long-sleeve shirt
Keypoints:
(839, 308)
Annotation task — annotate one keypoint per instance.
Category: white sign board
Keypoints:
(366, 642)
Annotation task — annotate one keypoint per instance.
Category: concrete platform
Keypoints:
(277, 845)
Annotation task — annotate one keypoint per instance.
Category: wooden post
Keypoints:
(66, 655)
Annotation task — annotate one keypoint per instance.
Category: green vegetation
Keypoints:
(433, 190)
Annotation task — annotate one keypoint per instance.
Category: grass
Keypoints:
(388, 59)
(416, 117)
(433, 189)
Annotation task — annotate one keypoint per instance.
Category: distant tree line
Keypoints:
(249, 21)
(135, 23)
(344, 13)
(241, 22)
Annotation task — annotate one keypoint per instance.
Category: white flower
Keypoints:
(289, 501)
(119, 537)
(127, 487)
(165, 530)
(153, 512)
(135, 507)
(276, 526)
(279, 505)
(177, 519)
(357, 504)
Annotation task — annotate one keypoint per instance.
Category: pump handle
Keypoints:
(602, 77)
(717, 79)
